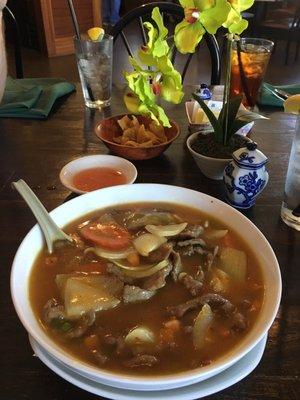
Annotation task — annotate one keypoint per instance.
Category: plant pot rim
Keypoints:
(194, 135)
(189, 141)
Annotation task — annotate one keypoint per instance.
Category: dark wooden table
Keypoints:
(37, 150)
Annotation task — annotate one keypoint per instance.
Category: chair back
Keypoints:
(175, 13)
(296, 19)
(16, 37)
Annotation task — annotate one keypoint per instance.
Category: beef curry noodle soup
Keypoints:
(148, 289)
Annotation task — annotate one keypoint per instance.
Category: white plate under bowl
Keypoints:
(95, 161)
(126, 194)
(219, 382)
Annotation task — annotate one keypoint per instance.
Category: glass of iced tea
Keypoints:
(249, 62)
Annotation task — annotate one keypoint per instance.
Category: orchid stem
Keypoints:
(227, 87)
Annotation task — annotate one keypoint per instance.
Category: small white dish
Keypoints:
(221, 381)
(99, 160)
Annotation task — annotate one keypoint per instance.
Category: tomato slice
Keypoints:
(112, 237)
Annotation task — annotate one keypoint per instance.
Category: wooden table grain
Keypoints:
(37, 150)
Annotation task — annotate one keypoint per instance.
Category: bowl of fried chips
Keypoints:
(136, 137)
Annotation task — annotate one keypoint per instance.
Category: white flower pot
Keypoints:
(211, 167)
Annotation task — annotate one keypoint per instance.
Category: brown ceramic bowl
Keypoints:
(109, 128)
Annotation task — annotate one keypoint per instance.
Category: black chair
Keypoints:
(16, 39)
(282, 24)
(174, 12)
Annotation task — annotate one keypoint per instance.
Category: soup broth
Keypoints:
(149, 289)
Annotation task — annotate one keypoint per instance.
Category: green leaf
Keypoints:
(188, 36)
(145, 53)
(218, 132)
(242, 5)
(156, 113)
(249, 116)
(234, 105)
(235, 23)
(147, 58)
(187, 3)
(160, 45)
(152, 34)
(244, 117)
(169, 90)
(133, 62)
(166, 67)
(238, 27)
(212, 18)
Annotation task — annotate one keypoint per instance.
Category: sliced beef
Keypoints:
(157, 280)
(82, 325)
(141, 360)
(175, 260)
(100, 357)
(192, 242)
(53, 310)
(192, 246)
(217, 302)
(113, 269)
(190, 232)
(211, 256)
(191, 284)
(188, 329)
(199, 273)
(162, 253)
(179, 310)
(133, 294)
(110, 340)
(116, 342)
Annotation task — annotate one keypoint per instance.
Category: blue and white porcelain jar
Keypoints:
(245, 176)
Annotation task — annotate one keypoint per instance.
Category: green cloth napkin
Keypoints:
(269, 99)
(32, 98)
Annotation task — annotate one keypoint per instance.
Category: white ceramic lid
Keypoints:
(249, 156)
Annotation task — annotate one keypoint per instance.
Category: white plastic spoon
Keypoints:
(51, 231)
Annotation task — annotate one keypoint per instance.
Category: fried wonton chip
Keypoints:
(125, 122)
(129, 134)
(159, 131)
(136, 134)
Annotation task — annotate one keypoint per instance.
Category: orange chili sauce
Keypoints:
(97, 178)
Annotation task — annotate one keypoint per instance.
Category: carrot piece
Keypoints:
(224, 332)
(173, 324)
(228, 241)
(91, 342)
(110, 237)
(133, 259)
(255, 306)
(168, 331)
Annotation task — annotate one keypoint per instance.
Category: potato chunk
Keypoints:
(234, 263)
(82, 294)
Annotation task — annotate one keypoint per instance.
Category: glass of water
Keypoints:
(94, 61)
(290, 210)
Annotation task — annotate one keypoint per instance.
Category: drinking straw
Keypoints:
(74, 19)
(243, 76)
(78, 36)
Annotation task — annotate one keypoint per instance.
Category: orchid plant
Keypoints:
(154, 76)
